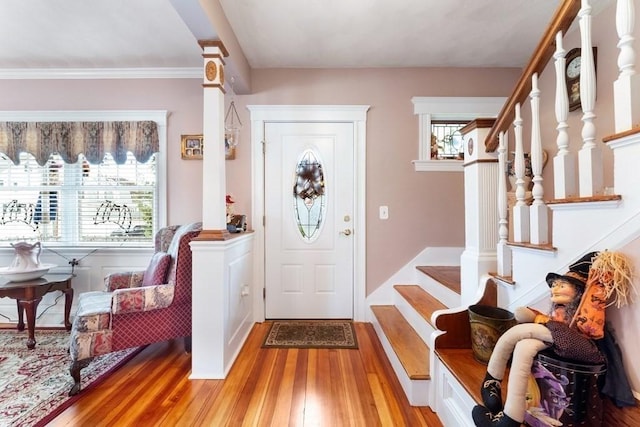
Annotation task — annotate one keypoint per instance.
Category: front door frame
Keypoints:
(355, 114)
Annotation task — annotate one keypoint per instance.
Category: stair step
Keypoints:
(411, 350)
(449, 276)
(420, 300)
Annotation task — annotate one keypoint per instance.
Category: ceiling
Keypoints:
(276, 33)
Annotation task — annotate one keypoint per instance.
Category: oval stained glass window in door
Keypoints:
(309, 199)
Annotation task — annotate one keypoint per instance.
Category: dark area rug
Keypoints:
(311, 334)
(34, 384)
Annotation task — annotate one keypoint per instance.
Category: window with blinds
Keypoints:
(78, 204)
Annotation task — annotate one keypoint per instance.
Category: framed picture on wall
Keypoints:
(192, 147)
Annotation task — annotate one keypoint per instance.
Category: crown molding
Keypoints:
(100, 73)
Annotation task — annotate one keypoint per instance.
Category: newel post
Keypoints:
(481, 228)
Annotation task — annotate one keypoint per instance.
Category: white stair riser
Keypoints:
(437, 290)
(417, 391)
(417, 322)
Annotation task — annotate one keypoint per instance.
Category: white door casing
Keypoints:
(355, 114)
(309, 246)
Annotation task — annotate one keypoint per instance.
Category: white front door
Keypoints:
(309, 208)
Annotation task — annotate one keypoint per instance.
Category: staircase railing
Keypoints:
(530, 213)
(561, 21)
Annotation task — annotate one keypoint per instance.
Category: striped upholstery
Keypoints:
(128, 315)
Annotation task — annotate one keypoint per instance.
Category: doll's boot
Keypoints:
(491, 393)
(482, 417)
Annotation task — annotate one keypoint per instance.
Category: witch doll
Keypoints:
(573, 330)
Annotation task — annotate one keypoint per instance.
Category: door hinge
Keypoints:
(264, 220)
(264, 293)
(264, 146)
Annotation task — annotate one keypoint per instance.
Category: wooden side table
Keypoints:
(28, 295)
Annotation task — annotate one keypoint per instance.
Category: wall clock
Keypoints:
(573, 61)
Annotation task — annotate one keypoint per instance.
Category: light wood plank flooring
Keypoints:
(266, 387)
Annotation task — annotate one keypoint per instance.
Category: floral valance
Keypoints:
(69, 139)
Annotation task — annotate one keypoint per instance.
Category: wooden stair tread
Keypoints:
(411, 350)
(449, 276)
(423, 302)
(468, 371)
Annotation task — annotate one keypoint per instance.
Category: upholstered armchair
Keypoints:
(137, 308)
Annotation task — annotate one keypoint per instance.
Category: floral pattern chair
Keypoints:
(137, 308)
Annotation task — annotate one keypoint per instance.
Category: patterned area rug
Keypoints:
(311, 334)
(34, 384)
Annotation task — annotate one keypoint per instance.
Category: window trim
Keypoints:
(430, 108)
(158, 116)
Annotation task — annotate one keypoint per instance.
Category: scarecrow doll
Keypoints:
(574, 329)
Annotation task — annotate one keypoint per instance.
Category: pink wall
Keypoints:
(425, 208)
(181, 98)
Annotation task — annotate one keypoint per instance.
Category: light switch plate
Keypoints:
(384, 212)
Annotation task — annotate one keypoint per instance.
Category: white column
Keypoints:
(503, 250)
(539, 215)
(590, 156)
(214, 222)
(520, 210)
(564, 163)
(480, 197)
(626, 89)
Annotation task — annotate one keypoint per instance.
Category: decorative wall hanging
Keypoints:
(192, 147)
(232, 126)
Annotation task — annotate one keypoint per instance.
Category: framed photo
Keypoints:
(192, 147)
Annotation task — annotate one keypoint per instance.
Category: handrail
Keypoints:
(561, 21)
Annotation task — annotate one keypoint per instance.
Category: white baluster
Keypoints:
(503, 251)
(520, 210)
(626, 89)
(564, 163)
(590, 156)
(538, 214)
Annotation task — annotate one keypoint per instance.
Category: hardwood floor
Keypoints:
(265, 387)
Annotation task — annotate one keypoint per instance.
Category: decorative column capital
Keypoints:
(213, 54)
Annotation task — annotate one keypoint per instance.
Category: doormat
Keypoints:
(311, 334)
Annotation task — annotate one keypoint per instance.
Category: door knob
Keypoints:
(346, 232)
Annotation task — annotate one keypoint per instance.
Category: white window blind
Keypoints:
(79, 204)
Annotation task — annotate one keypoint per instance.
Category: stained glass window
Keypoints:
(446, 140)
(309, 199)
